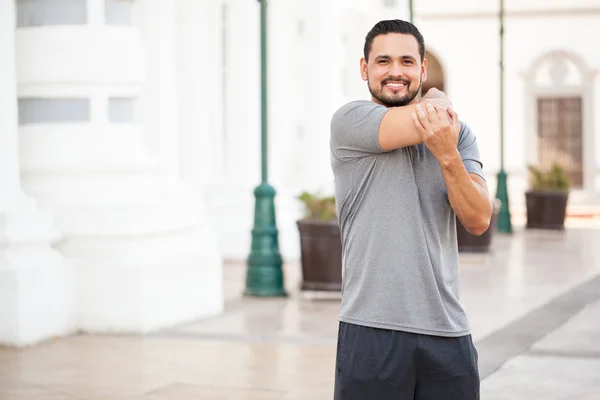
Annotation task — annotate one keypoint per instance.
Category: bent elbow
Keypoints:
(479, 226)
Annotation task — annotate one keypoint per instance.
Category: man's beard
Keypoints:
(392, 100)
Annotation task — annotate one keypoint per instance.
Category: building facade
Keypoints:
(100, 233)
(130, 140)
(551, 85)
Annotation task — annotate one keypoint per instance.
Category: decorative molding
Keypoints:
(556, 55)
(586, 90)
(546, 13)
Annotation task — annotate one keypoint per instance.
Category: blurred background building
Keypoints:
(130, 135)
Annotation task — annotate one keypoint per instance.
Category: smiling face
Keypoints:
(394, 70)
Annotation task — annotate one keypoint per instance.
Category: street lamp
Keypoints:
(410, 11)
(504, 224)
(264, 275)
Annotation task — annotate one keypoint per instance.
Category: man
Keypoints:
(403, 169)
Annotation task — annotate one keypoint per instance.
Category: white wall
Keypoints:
(469, 50)
(199, 51)
(236, 172)
(36, 282)
(479, 7)
(144, 255)
(314, 54)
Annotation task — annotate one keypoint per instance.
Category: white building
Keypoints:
(130, 135)
(551, 85)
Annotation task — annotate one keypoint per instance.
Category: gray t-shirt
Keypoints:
(400, 255)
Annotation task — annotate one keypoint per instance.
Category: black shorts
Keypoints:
(381, 364)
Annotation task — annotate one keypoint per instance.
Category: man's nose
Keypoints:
(397, 70)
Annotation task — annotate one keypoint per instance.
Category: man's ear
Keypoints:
(363, 69)
(424, 70)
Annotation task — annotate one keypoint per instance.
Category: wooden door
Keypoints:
(560, 136)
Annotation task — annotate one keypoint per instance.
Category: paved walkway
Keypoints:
(534, 304)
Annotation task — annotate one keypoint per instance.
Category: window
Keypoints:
(560, 135)
(118, 12)
(120, 110)
(48, 110)
(54, 12)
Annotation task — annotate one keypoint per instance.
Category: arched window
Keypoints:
(558, 86)
(435, 74)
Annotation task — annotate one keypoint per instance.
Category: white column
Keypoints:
(242, 91)
(36, 288)
(322, 88)
(158, 101)
(287, 125)
(144, 256)
(202, 143)
(356, 23)
(230, 197)
(200, 93)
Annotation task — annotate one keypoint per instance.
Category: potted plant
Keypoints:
(320, 244)
(546, 200)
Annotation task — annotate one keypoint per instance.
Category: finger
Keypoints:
(420, 128)
(451, 116)
(422, 116)
(432, 113)
(443, 117)
(455, 120)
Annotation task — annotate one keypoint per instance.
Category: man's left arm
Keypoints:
(468, 195)
(467, 191)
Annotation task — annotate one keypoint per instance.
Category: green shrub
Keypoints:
(318, 207)
(555, 179)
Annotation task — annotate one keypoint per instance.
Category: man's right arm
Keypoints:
(397, 128)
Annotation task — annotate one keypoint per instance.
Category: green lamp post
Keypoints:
(504, 225)
(410, 11)
(264, 275)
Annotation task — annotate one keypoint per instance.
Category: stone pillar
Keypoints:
(144, 257)
(36, 287)
(322, 86)
(158, 105)
(287, 123)
(200, 57)
(230, 198)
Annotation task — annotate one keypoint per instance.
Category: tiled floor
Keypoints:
(565, 365)
(263, 349)
(87, 367)
(523, 272)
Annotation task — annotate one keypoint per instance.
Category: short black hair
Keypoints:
(394, 26)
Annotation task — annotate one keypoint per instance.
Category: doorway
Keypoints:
(560, 136)
(435, 74)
